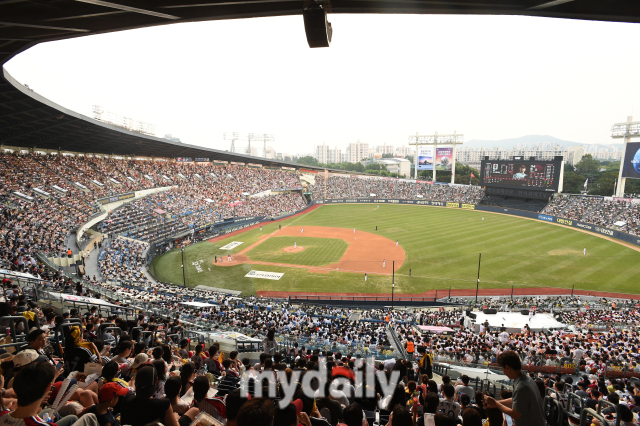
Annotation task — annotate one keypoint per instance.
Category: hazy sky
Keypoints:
(383, 78)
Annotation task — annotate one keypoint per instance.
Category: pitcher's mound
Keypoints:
(292, 249)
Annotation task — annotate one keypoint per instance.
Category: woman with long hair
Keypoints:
(161, 370)
(480, 405)
(187, 374)
(143, 409)
(269, 343)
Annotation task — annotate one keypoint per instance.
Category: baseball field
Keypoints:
(429, 248)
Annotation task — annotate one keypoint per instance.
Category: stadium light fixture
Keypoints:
(435, 140)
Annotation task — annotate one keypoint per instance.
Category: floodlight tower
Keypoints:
(249, 137)
(233, 137)
(435, 140)
(267, 138)
(627, 130)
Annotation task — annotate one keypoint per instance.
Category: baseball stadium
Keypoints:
(148, 281)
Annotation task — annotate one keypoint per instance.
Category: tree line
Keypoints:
(602, 177)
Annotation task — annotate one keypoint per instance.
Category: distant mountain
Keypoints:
(531, 140)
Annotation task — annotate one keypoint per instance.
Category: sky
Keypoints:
(384, 78)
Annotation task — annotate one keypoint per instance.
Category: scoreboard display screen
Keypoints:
(537, 175)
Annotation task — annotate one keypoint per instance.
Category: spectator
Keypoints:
(526, 406)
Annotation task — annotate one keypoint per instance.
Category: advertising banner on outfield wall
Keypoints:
(633, 239)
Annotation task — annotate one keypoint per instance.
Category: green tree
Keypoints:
(375, 166)
(464, 172)
(410, 158)
(573, 183)
(632, 186)
(604, 185)
(387, 155)
(308, 160)
(359, 168)
(588, 167)
(569, 168)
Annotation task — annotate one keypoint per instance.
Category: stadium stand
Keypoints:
(439, 192)
(406, 190)
(134, 379)
(590, 364)
(598, 211)
(598, 343)
(360, 188)
(122, 260)
(317, 189)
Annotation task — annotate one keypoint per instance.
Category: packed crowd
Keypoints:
(607, 212)
(598, 211)
(339, 186)
(584, 343)
(317, 187)
(180, 209)
(362, 188)
(318, 327)
(123, 260)
(385, 188)
(44, 197)
(406, 190)
(147, 376)
(439, 192)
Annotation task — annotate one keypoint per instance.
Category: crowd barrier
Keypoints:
(623, 236)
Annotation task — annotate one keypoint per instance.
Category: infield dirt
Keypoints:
(367, 252)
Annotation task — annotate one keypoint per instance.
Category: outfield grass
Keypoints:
(442, 248)
(317, 251)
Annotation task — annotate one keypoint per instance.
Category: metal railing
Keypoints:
(398, 343)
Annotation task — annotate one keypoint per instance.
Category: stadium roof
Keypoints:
(29, 120)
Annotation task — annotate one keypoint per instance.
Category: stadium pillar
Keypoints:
(393, 272)
(453, 161)
(572, 289)
(511, 292)
(415, 174)
(478, 282)
(435, 154)
(619, 189)
(184, 282)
